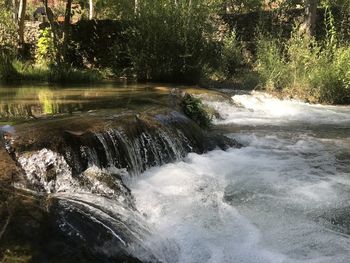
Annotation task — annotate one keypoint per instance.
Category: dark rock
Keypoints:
(134, 142)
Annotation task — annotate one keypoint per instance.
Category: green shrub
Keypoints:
(169, 41)
(7, 71)
(45, 51)
(54, 73)
(330, 81)
(270, 64)
(8, 44)
(66, 74)
(194, 109)
(232, 58)
(318, 72)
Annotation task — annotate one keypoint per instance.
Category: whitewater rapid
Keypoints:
(284, 197)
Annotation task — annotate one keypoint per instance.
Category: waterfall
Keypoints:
(84, 173)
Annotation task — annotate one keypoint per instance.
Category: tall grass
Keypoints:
(170, 40)
(306, 69)
(53, 73)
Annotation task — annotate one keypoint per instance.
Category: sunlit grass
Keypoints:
(54, 74)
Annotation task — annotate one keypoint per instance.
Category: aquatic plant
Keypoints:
(194, 109)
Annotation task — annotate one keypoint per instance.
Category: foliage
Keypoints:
(270, 64)
(232, 57)
(194, 109)
(54, 73)
(316, 72)
(45, 51)
(111, 9)
(8, 44)
(171, 41)
(244, 5)
(65, 74)
(29, 72)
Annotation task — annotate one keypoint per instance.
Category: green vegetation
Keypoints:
(317, 72)
(188, 41)
(168, 42)
(45, 50)
(7, 44)
(53, 73)
(195, 110)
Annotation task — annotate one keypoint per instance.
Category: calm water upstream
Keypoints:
(283, 197)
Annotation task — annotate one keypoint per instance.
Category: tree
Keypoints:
(21, 17)
(310, 17)
(91, 9)
(60, 41)
(66, 25)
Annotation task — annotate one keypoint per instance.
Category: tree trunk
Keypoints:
(66, 28)
(15, 5)
(136, 10)
(91, 9)
(310, 17)
(21, 19)
(67, 14)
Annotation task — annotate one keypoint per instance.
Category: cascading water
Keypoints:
(84, 174)
(155, 188)
(284, 197)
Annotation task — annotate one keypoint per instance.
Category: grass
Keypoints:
(303, 68)
(24, 71)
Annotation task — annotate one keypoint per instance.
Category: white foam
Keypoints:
(261, 203)
(259, 108)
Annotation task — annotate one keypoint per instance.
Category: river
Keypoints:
(282, 197)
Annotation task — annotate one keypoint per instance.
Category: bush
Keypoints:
(8, 44)
(54, 73)
(194, 109)
(270, 64)
(169, 40)
(65, 73)
(303, 68)
(232, 58)
(330, 81)
(45, 51)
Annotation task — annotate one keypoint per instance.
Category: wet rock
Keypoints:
(83, 211)
(108, 184)
(131, 141)
(8, 168)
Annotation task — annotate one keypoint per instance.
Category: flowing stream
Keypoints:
(284, 197)
(132, 177)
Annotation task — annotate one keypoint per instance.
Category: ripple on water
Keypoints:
(279, 199)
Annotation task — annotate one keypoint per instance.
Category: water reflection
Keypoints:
(30, 102)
